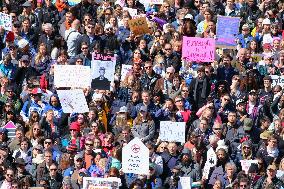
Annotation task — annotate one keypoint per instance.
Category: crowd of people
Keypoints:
(233, 107)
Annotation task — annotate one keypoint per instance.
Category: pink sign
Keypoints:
(198, 49)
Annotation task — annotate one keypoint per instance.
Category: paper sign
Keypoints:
(198, 49)
(6, 21)
(10, 126)
(227, 29)
(149, 2)
(172, 131)
(102, 70)
(139, 26)
(125, 69)
(73, 101)
(131, 11)
(277, 80)
(101, 183)
(184, 183)
(135, 158)
(246, 164)
(120, 2)
(256, 57)
(211, 161)
(72, 76)
(139, 16)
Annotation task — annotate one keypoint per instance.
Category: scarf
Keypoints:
(203, 93)
(60, 6)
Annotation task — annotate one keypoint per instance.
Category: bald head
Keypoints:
(75, 24)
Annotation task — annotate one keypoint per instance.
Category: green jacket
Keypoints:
(16, 103)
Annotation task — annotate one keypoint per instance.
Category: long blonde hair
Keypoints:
(39, 55)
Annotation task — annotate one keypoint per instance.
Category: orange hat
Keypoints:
(74, 126)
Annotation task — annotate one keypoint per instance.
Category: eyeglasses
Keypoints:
(53, 169)
(217, 129)
(178, 100)
(84, 48)
(147, 67)
(88, 144)
(9, 91)
(168, 49)
(47, 142)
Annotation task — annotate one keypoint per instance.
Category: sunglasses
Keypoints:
(47, 142)
(88, 144)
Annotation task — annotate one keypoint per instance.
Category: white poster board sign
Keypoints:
(135, 157)
(125, 69)
(172, 131)
(77, 76)
(101, 183)
(184, 183)
(277, 80)
(6, 21)
(73, 101)
(211, 161)
(102, 70)
(131, 11)
(246, 164)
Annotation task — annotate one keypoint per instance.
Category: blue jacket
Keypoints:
(30, 106)
(8, 70)
(56, 109)
(244, 41)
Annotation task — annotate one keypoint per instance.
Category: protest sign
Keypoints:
(131, 11)
(72, 76)
(153, 2)
(135, 157)
(256, 57)
(198, 49)
(11, 128)
(172, 131)
(227, 29)
(101, 183)
(120, 2)
(73, 101)
(211, 161)
(102, 70)
(277, 80)
(138, 26)
(246, 164)
(184, 183)
(125, 69)
(6, 21)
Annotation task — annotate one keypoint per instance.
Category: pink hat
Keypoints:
(75, 126)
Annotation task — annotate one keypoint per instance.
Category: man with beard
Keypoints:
(9, 177)
(188, 167)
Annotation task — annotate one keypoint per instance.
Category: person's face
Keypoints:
(176, 81)
(266, 27)
(168, 49)
(36, 130)
(179, 102)
(252, 97)
(271, 173)
(276, 44)
(145, 97)
(78, 163)
(69, 17)
(47, 144)
(272, 143)
(54, 101)
(24, 145)
(203, 125)
(49, 116)
(253, 45)
(89, 145)
(169, 105)
(97, 143)
(217, 129)
(207, 16)
(26, 24)
(211, 25)
(19, 134)
(247, 150)
(48, 158)
(130, 80)
(169, 75)
(135, 97)
(243, 185)
(172, 148)
(90, 29)
(221, 155)
(232, 117)
(148, 68)
(227, 61)
(102, 72)
(80, 119)
(9, 176)
(48, 2)
(137, 54)
(241, 107)
(53, 170)
(107, 14)
(217, 185)
(226, 99)
(200, 74)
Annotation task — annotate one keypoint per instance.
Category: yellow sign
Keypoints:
(139, 26)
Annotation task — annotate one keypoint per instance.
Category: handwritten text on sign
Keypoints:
(135, 157)
(72, 76)
(198, 49)
(6, 21)
(172, 131)
(139, 26)
(277, 80)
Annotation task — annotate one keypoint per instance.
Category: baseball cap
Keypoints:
(27, 4)
(239, 101)
(78, 156)
(247, 124)
(265, 135)
(36, 91)
(123, 109)
(266, 21)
